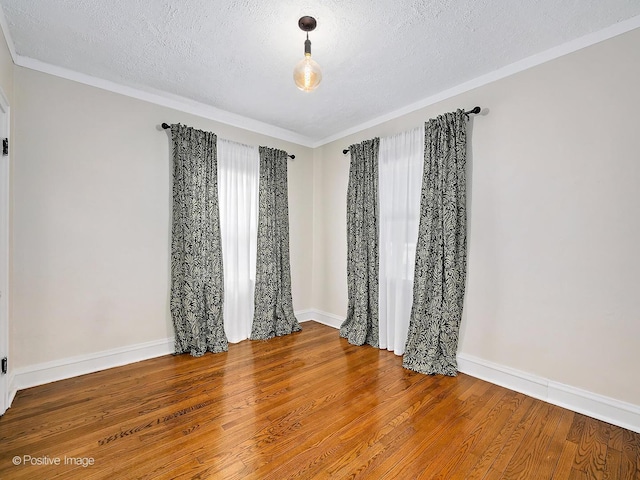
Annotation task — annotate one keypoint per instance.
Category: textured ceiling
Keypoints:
(238, 56)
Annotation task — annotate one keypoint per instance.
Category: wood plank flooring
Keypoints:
(308, 405)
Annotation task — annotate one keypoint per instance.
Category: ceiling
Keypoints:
(377, 56)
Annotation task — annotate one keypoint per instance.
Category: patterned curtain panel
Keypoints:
(273, 313)
(441, 254)
(361, 324)
(196, 255)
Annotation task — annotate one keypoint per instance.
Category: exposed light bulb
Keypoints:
(307, 74)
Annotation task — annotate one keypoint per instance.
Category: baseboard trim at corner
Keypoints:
(610, 410)
(328, 319)
(48, 372)
(304, 315)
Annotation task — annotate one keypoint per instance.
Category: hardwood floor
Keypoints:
(308, 405)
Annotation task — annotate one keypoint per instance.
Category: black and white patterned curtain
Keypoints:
(196, 256)
(273, 314)
(441, 253)
(440, 258)
(361, 325)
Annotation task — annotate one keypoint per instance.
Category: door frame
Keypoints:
(5, 196)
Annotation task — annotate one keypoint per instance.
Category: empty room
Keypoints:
(324, 240)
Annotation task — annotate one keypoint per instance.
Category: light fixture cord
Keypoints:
(307, 45)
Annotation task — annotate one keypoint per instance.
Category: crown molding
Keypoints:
(157, 97)
(507, 71)
(169, 100)
(187, 105)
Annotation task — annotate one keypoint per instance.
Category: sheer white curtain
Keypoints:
(238, 178)
(400, 163)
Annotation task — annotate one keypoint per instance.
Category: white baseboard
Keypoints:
(94, 362)
(53, 371)
(603, 408)
(304, 315)
(610, 410)
(328, 319)
(507, 377)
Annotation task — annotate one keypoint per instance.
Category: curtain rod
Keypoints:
(473, 110)
(166, 126)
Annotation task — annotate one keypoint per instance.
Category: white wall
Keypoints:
(554, 220)
(92, 197)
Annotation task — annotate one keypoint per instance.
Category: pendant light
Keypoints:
(306, 73)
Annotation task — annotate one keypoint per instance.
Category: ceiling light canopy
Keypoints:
(306, 73)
